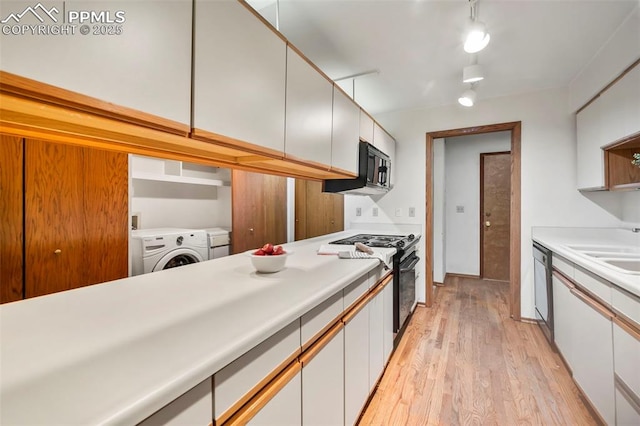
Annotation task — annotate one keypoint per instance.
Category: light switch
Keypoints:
(358, 211)
(412, 212)
(374, 212)
(459, 209)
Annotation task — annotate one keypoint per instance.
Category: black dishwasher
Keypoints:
(543, 290)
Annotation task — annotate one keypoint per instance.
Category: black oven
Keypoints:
(404, 288)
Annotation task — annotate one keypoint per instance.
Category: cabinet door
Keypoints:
(376, 339)
(54, 219)
(284, 408)
(11, 216)
(345, 134)
(626, 350)
(323, 385)
(106, 212)
(620, 107)
(317, 212)
(192, 408)
(563, 317)
(593, 357)
(142, 63)
(356, 365)
(590, 156)
(387, 322)
(366, 127)
(627, 408)
(259, 210)
(239, 75)
(308, 112)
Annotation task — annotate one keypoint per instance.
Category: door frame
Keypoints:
(515, 128)
(481, 209)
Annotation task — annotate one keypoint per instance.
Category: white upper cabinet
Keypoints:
(309, 112)
(620, 107)
(346, 132)
(142, 60)
(239, 75)
(366, 127)
(590, 156)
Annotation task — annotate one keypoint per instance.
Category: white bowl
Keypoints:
(268, 264)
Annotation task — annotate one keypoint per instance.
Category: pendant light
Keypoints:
(477, 37)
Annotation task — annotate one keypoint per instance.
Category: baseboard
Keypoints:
(528, 320)
(453, 275)
(437, 284)
(590, 407)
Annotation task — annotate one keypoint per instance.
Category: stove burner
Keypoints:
(398, 241)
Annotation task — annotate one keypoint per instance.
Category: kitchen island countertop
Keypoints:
(115, 353)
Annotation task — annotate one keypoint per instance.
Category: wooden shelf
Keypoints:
(621, 174)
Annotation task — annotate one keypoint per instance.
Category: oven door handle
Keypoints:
(411, 265)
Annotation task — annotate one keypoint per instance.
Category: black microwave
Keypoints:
(374, 174)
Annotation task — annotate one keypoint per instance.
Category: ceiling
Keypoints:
(416, 45)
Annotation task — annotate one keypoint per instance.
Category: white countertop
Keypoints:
(119, 351)
(559, 241)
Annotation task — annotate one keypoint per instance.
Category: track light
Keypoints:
(477, 36)
(468, 98)
(472, 73)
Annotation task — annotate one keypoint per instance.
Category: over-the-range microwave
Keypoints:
(374, 172)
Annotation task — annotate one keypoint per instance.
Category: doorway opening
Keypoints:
(514, 207)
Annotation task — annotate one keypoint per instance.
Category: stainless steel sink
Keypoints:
(605, 249)
(624, 259)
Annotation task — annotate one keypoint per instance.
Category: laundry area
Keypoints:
(180, 213)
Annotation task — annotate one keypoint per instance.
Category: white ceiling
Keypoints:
(417, 44)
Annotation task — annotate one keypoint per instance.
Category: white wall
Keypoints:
(631, 208)
(439, 207)
(622, 50)
(179, 205)
(549, 195)
(462, 188)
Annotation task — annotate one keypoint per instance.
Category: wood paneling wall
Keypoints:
(317, 212)
(11, 218)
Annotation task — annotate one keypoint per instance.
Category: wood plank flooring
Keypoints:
(465, 362)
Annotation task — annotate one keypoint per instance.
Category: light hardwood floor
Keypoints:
(465, 362)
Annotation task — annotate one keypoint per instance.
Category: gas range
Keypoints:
(372, 240)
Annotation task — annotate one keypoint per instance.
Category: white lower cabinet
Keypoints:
(627, 408)
(376, 339)
(192, 408)
(323, 382)
(563, 317)
(593, 358)
(356, 365)
(387, 322)
(284, 408)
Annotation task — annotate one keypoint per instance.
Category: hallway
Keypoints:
(465, 362)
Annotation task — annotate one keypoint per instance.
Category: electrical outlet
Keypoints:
(374, 212)
(358, 211)
(412, 212)
(399, 212)
(459, 209)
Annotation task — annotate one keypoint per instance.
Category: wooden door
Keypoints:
(495, 200)
(317, 212)
(54, 220)
(106, 212)
(259, 210)
(11, 217)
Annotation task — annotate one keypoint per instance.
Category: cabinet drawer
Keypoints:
(191, 408)
(320, 319)
(253, 369)
(626, 304)
(355, 290)
(375, 275)
(627, 408)
(563, 265)
(598, 287)
(626, 354)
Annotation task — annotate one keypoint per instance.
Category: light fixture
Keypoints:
(468, 98)
(477, 36)
(472, 73)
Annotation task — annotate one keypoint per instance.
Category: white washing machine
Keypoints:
(163, 248)
(219, 241)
